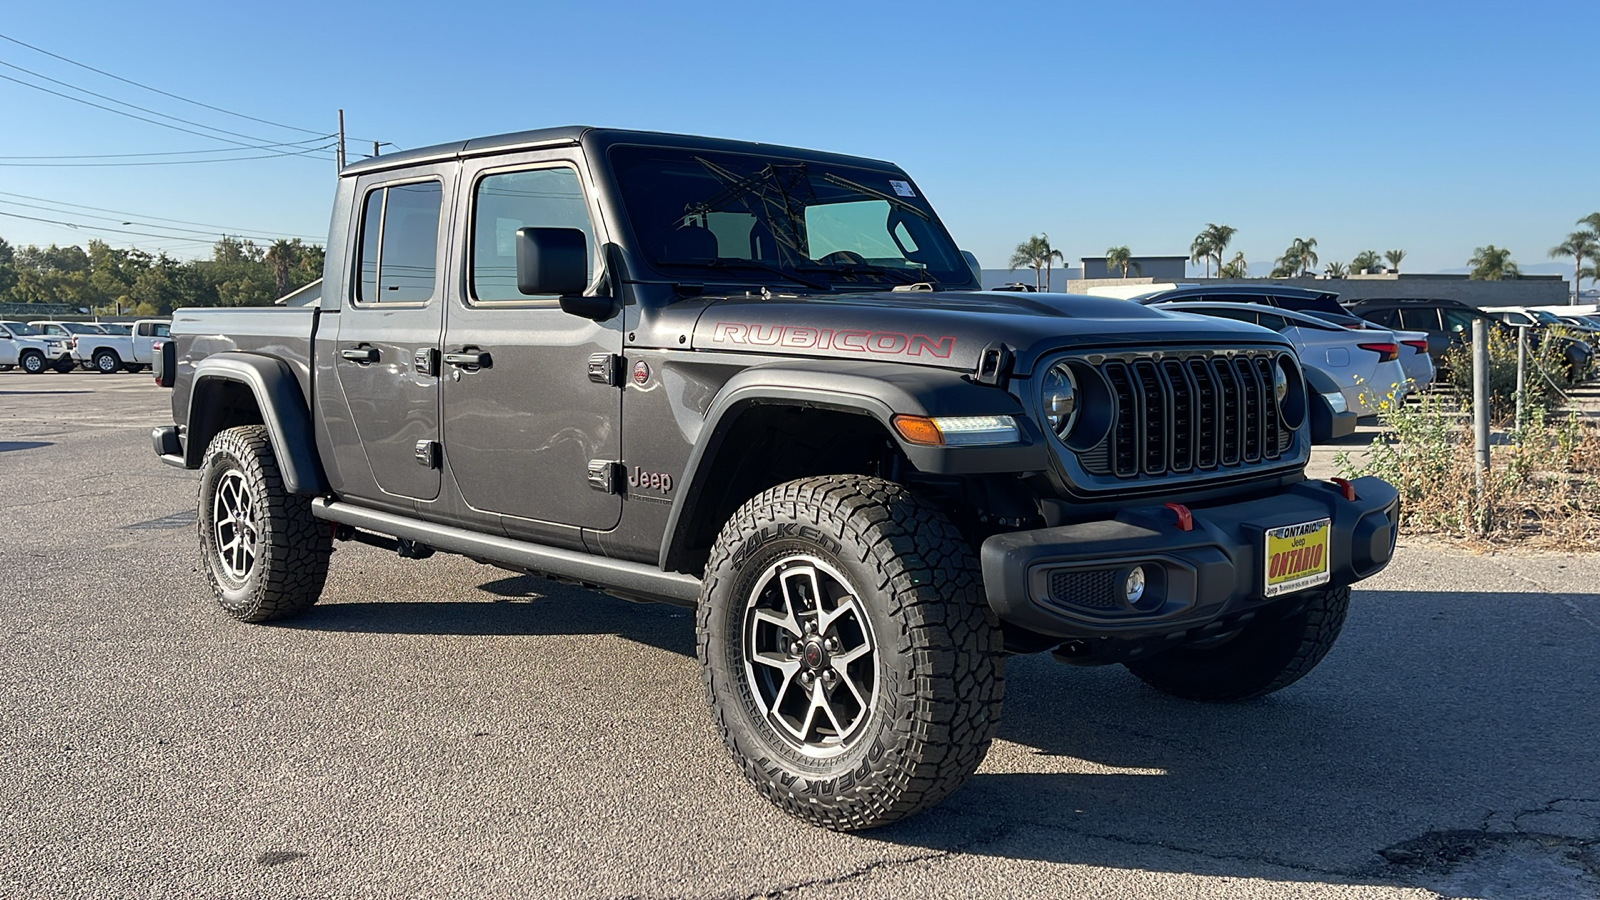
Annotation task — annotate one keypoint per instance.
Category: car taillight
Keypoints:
(1421, 346)
(1386, 352)
(74, 342)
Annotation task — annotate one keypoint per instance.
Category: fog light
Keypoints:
(1336, 402)
(1133, 588)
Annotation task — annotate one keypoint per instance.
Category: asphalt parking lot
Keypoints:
(446, 729)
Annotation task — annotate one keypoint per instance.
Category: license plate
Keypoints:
(1296, 557)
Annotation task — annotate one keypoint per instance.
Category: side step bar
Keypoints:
(630, 579)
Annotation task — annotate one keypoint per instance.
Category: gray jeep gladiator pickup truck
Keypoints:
(763, 382)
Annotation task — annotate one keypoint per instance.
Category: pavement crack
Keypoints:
(1569, 602)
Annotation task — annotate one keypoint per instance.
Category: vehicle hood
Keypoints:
(950, 329)
(40, 343)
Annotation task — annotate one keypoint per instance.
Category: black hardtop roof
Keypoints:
(1409, 301)
(595, 138)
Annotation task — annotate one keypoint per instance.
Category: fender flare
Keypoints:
(877, 390)
(283, 411)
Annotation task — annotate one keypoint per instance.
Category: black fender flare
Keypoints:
(877, 390)
(283, 411)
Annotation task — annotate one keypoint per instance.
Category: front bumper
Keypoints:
(1067, 582)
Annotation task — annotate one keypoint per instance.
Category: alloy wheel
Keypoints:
(235, 525)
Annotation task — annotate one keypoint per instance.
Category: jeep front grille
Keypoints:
(1178, 413)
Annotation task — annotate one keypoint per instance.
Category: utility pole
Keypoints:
(374, 148)
(339, 156)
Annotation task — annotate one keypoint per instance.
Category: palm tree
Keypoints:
(1365, 262)
(1200, 251)
(1491, 263)
(1334, 270)
(1302, 253)
(1209, 244)
(283, 255)
(1236, 268)
(1578, 245)
(1120, 258)
(1592, 220)
(1037, 254)
(1394, 257)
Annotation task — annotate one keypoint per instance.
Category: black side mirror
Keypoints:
(556, 261)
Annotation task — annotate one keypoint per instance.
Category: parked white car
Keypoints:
(1364, 364)
(105, 353)
(26, 347)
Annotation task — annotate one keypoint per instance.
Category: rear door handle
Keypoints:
(361, 354)
(477, 359)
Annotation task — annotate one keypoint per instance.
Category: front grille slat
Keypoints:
(1178, 413)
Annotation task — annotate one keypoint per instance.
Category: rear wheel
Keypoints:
(264, 553)
(8, 367)
(32, 362)
(64, 365)
(132, 368)
(1271, 653)
(106, 361)
(852, 664)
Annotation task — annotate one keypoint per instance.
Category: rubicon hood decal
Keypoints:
(804, 337)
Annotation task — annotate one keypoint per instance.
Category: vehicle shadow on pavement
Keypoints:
(7, 446)
(1419, 730)
(522, 605)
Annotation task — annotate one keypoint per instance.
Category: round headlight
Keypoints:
(1280, 383)
(1060, 398)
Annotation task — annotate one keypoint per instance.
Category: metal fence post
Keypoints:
(1522, 367)
(1480, 416)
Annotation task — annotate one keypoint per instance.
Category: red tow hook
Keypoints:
(1185, 518)
(1345, 487)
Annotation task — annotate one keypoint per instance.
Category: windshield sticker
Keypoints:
(903, 188)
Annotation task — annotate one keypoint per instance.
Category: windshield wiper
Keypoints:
(721, 263)
(891, 199)
(903, 276)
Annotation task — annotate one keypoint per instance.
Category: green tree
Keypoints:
(1579, 245)
(1120, 259)
(1395, 257)
(1298, 260)
(8, 270)
(1209, 245)
(1335, 270)
(283, 256)
(1365, 261)
(1236, 268)
(1491, 263)
(1037, 254)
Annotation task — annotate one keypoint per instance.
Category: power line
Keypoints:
(170, 152)
(153, 112)
(165, 162)
(123, 113)
(95, 229)
(123, 212)
(153, 89)
(156, 90)
(262, 235)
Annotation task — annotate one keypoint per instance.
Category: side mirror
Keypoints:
(556, 261)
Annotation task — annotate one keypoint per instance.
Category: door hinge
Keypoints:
(426, 361)
(605, 368)
(994, 365)
(428, 454)
(605, 475)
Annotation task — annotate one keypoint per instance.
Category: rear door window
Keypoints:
(399, 243)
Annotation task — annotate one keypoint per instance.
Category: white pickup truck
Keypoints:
(105, 353)
(25, 346)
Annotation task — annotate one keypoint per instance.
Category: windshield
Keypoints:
(1544, 318)
(747, 218)
(20, 330)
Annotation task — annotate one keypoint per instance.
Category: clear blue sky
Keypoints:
(1436, 127)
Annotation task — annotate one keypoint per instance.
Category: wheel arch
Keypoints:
(232, 389)
(853, 401)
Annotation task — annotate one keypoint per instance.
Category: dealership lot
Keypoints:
(442, 728)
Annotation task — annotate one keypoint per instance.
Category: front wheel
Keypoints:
(1270, 653)
(264, 553)
(852, 664)
(32, 363)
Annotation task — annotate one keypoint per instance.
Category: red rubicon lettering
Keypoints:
(804, 337)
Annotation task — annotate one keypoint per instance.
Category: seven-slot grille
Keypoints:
(1179, 413)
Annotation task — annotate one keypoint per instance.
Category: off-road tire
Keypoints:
(32, 362)
(1269, 654)
(939, 669)
(107, 361)
(291, 550)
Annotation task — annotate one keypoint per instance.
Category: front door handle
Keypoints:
(361, 354)
(475, 359)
